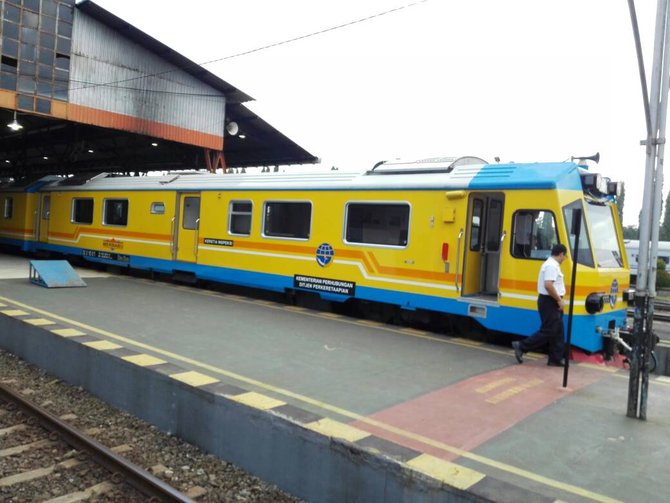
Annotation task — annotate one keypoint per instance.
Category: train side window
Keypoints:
(476, 224)
(534, 234)
(585, 256)
(284, 219)
(46, 207)
(82, 211)
(115, 212)
(377, 223)
(9, 207)
(158, 208)
(191, 213)
(239, 217)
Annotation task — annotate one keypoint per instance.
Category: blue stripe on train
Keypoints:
(527, 176)
(22, 244)
(501, 318)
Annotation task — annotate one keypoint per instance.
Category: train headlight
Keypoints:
(595, 302)
(615, 189)
(594, 182)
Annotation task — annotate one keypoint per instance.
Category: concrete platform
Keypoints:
(332, 408)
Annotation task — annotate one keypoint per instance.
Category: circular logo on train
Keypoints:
(614, 290)
(324, 254)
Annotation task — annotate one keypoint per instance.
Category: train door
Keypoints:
(188, 226)
(484, 244)
(43, 218)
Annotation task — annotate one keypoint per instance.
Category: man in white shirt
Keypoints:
(550, 304)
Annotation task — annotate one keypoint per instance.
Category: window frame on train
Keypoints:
(8, 207)
(294, 214)
(240, 219)
(521, 249)
(157, 208)
(599, 215)
(583, 236)
(381, 208)
(476, 219)
(46, 207)
(76, 212)
(108, 210)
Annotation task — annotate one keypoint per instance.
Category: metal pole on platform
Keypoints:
(649, 339)
(655, 114)
(576, 230)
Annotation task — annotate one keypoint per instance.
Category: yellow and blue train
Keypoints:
(452, 236)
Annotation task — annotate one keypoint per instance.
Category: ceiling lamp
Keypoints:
(14, 125)
(232, 128)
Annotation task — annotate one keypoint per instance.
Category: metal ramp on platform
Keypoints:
(54, 274)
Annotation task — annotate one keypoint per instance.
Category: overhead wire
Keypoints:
(247, 52)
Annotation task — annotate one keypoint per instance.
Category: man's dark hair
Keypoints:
(556, 250)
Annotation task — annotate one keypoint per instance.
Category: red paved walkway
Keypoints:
(467, 414)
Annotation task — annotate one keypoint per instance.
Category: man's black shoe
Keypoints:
(560, 363)
(518, 354)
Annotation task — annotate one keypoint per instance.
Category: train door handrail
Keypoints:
(458, 258)
(500, 254)
(36, 225)
(197, 236)
(172, 237)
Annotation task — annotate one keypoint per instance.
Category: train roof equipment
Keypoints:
(464, 173)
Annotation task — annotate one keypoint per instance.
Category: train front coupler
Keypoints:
(616, 340)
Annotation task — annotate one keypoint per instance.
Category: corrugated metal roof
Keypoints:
(233, 95)
(119, 83)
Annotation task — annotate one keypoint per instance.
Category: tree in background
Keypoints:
(662, 276)
(631, 232)
(664, 231)
(619, 202)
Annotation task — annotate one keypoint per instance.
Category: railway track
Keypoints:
(44, 447)
(661, 311)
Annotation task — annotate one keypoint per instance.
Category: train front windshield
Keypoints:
(600, 242)
(603, 235)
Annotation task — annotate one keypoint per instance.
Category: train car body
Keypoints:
(461, 238)
(19, 222)
(633, 249)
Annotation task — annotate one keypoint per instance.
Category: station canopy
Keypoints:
(50, 145)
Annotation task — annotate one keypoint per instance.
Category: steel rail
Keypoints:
(140, 479)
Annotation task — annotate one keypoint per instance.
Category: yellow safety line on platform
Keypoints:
(599, 367)
(660, 380)
(257, 400)
(193, 378)
(14, 312)
(495, 384)
(296, 309)
(337, 429)
(337, 410)
(467, 342)
(514, 390)
(40, 322)
(453, 474)
(413, 331)
(102, 345)
(68, 332)
(143, 360)
(371, 323)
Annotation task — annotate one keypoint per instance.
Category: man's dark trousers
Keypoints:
(550, 332)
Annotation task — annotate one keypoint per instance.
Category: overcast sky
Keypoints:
(524, 80)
